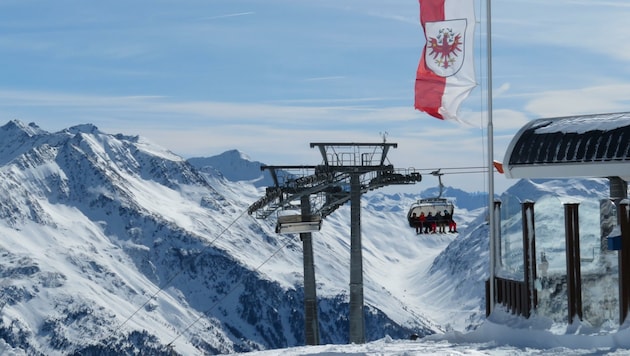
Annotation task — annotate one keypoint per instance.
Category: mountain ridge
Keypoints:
(93, 220)
(113, 244)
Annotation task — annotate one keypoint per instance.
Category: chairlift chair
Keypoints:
(430, 205)
(298, 223)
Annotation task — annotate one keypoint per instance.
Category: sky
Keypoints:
(268, 78)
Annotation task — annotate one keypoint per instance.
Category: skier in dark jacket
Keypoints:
(441, 222)
(452, 225)
(430, 224)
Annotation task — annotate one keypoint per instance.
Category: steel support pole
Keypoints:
(624, 264)
(311, 322)
(530, 297)
(574, 274)
(357, 322)
(497, 234)
(490, 127)
(618, 193)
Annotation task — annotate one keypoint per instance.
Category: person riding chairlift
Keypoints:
(452, 225)
(441, 222)
(430, 224)
(420, 221)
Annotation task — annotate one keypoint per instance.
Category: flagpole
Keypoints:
(491, 222)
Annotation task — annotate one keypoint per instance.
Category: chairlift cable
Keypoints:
(175, 275)
(450, 168)
(467, 172)
(169, 280)
(236, 285)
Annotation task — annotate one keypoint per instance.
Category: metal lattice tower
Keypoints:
(348, 170)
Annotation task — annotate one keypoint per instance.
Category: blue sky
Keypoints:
(200, 77)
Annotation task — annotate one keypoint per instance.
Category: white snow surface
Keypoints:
(502, 334)
(584, 123)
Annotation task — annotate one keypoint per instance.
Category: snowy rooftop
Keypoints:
(575, 146)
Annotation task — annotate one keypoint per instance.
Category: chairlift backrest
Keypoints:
(289, 224)
(432, 205)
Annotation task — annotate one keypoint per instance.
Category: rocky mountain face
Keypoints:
(112, 245)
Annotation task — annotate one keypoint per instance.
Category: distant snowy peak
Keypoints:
(16, 138)
(234, 166)
(461, 199)
(233, 158)
(534, 189)
(16, 127)
(236, 155)
(83, 128)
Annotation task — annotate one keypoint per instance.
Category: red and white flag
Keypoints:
(446, 73)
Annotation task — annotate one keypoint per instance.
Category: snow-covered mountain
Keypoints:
(112, 244)
(462, 199)
(235, 166)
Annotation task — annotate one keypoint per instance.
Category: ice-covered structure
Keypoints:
(583, 271)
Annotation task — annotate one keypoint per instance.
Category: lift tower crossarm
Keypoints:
(366, 158)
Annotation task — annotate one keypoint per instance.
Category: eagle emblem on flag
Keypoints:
(444, 53)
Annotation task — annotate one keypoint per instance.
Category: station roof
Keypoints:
(595, 145)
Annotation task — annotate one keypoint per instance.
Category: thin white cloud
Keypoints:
(597, 99)
(332, 77)
(502, 90)
(502, 119)
(362, 100)
(229, 15)
(412, 19)
(592, 26)
(52, 99)
(201, 111)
